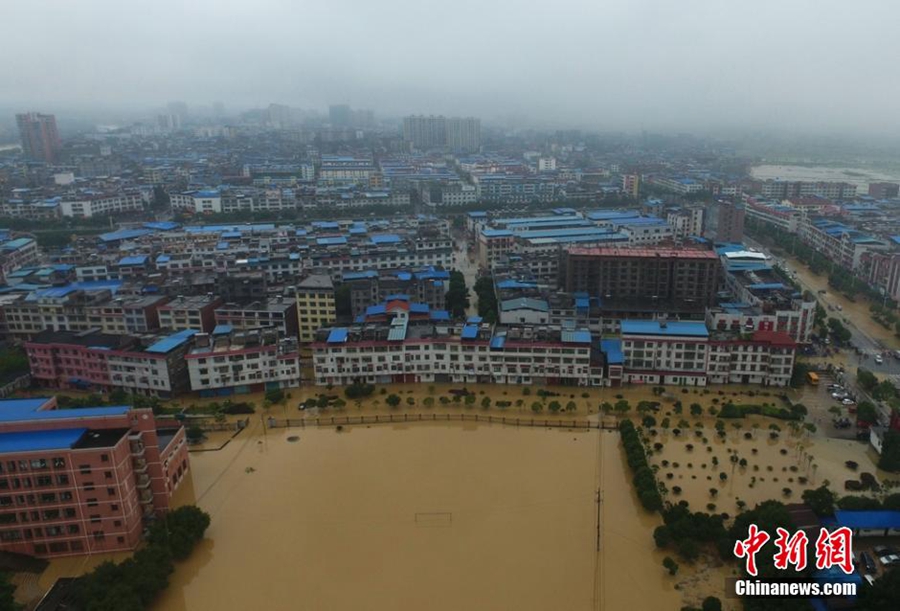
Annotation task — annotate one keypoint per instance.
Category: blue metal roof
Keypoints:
(331, 241)
(440, 315)
(612, 348)
(140, 260)
(469, 332)
(33, 441)
(515, 284)
(162, 225)
(337, 336)
(868, 519)
(496, 233)
(672, 328)
(418, 308)
(359, 275)
(222, 329)
(15, 410)
(474, 320)
(16, 244)
(385, 238)
(123, 234)
(171, 342)
(580, 336)
(497, 342)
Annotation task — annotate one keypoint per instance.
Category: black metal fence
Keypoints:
(560, 423)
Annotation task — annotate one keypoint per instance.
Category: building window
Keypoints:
(104, 457)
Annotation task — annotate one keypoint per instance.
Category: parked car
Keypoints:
(839, 395)
(866, 560)
(879, 360)
(890, 560)
(883, 550)
(848, 401)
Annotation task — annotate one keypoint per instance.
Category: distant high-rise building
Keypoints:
(458, 134)
(463, 134)
(279, 115)
(729, 221)
(425, 132)
(631, 184)
(40, 139)
(169, 122)
(340, 115)
(884, 190)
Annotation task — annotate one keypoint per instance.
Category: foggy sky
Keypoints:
(607, 64)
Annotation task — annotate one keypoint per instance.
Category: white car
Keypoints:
(890, 560)
(838, 395)
(879, 360)
(848, 401)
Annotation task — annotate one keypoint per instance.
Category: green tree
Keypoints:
(670, 565)
(537, 406)
(711, 603)
(890, 451)
(820, 500)
(486, 402)
(866, 412)
(883, 595)
(554, 406)
(392, 400)
(457, 295)
(487, 299)
(7, 592)
(428, 402)
(866, 379)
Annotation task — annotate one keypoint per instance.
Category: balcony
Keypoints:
(146, 497)
(140, 465)
(143, 481)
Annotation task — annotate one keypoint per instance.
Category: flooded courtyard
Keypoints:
(436, 516)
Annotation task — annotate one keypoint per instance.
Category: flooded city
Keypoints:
(419, 516)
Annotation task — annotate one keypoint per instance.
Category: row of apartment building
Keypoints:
(404, 348)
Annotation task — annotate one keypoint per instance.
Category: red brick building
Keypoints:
(81, 481)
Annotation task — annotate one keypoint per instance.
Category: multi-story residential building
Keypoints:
(645, 279)
(346, 168)
(728, 221)
(783, 189)
(83, 481)
(425, 132)
(279, 313)
(16, 254)
(206, 200)
(407, 350)
(687, 354)
(197, 313)
(241, 362)
(463, 134)
(762, 300)
(784, 217)
(368, 288)
(665, 352)
(685, 222)
(884, 190)
(680, 185)
(123, 315)
(40, 138)
(152, 366)
(840, 243)
(315, 305)
(757, 357)
(631, 184)
(86, 203)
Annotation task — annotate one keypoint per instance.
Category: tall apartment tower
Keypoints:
(340, 115)
(40, 139)
(464, 134)
(729, 221)
(425, 132)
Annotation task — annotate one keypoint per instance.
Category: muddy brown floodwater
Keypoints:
(419, 517)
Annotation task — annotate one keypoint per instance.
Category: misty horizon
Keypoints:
(693, 66)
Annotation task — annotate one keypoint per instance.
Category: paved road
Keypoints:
(869, 346)
(469, 271)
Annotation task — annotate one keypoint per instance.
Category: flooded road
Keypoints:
(424, 516)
